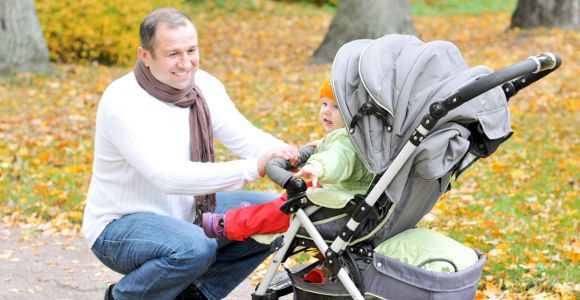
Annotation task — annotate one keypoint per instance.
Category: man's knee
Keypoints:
(194, 255)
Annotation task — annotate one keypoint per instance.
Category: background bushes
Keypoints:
(87, 31)
(106, 31)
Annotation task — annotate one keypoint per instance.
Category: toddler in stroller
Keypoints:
(334, 161)
(416, 114)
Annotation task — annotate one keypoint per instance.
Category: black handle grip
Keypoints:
(277, 168)
(548, 65)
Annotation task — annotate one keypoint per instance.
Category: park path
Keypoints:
(42, 264)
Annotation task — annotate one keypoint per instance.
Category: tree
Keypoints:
(553, 13)
(22, 46)
(360, 19)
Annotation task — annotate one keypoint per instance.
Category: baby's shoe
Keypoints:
(213, 225)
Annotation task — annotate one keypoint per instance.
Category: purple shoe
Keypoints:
(213, 225)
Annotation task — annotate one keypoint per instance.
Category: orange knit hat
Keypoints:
(326, 89)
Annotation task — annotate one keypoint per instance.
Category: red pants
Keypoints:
(241, 223)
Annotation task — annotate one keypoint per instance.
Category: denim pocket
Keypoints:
(104, 251)
(107, 260)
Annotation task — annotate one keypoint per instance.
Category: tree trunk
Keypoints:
(362, 19)
(22, 46)
(541, 13)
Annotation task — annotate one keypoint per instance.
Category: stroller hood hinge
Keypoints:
(369, 108)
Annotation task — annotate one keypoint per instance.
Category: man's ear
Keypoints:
(144, 56)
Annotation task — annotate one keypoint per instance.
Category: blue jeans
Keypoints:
(160, 256)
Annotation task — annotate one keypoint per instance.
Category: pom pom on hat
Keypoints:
(326, 89)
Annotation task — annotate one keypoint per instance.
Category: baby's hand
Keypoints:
(314, 143)
(309, 171)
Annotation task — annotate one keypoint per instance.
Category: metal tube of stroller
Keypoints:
(314, 234)
(349, 285)
(279, 256)
(390, 173)
(322, 246)
(338, 244)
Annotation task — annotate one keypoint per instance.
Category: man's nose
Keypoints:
(184, 61)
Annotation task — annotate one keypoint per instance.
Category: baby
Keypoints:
(334, 164)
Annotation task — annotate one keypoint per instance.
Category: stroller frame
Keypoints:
(512, 79)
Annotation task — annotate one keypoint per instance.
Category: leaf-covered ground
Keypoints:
(520, 206)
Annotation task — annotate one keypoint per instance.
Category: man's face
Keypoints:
(175, 57)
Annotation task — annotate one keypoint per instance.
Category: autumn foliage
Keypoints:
(86, 31)
(520, 206)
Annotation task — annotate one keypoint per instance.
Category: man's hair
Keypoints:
(171, 16)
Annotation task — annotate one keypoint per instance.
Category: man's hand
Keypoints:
(289, 153)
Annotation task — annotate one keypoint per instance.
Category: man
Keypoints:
(154, 165)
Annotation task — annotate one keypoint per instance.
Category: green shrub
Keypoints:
(86, 31)
(451, 7)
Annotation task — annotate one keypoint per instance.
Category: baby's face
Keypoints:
(329, 115)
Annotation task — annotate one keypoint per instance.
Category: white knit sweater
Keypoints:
(141, 161)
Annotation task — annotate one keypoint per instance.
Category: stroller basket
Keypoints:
(416, 114)
(388, 278)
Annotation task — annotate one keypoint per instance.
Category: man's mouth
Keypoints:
(182, 75)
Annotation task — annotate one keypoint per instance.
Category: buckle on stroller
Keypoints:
(370, 109)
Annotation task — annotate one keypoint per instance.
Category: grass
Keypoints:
(454, 7)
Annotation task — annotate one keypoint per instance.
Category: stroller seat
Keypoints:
(417, 115)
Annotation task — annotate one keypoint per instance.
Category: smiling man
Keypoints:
(154, 172)
(171, 55)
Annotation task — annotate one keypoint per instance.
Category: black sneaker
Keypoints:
(191, 292)
(109, 292)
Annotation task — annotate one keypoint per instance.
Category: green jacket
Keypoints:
(343, 174)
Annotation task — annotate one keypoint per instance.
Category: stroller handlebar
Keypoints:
(519, 75)
(539, 64)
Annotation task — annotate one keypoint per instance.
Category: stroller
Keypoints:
(417, 115)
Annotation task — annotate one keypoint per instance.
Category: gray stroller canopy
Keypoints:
(401, 76)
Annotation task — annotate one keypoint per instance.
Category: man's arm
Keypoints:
(151, 152)
(234, 130)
